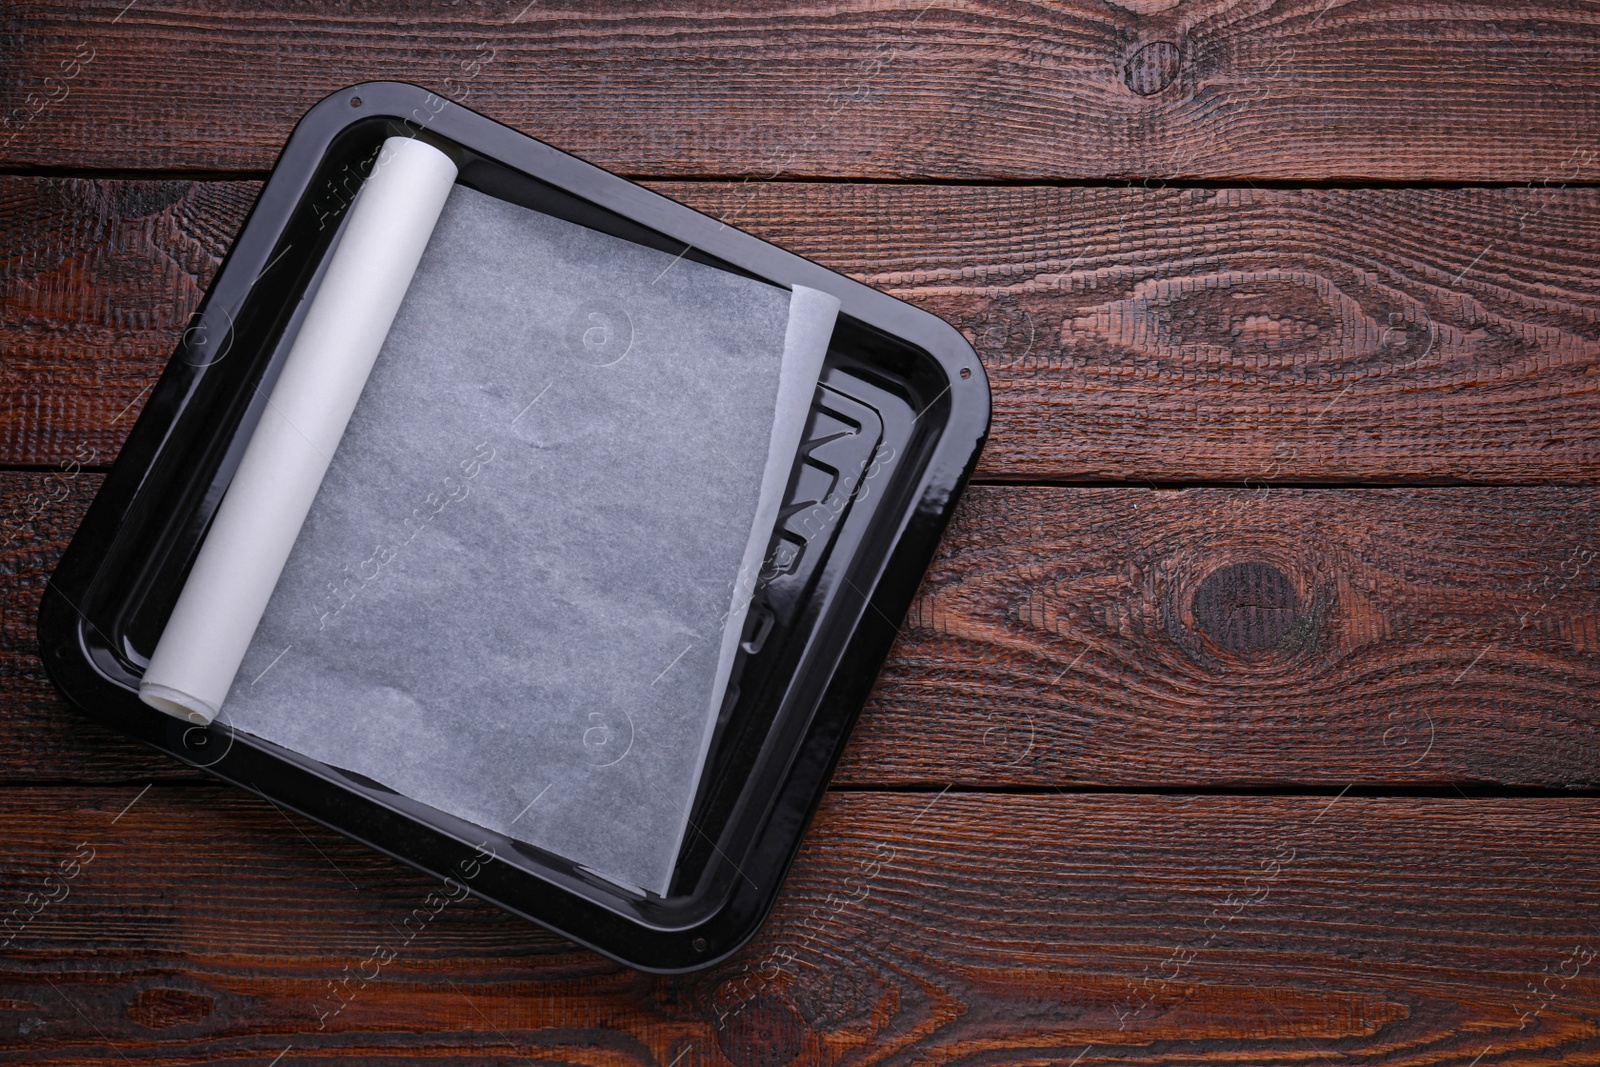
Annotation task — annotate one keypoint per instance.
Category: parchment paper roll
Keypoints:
(239, 563)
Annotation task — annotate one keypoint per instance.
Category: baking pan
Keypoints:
(896, 426)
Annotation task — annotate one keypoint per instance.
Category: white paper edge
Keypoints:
(812, 314)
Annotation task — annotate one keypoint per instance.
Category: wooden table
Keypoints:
(1251, 713)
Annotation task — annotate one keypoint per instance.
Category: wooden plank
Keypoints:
(1239, 334)
(206, 926)
(1169, 335)
(38, 514)
(1204, 636)
(98, 281)
(1135, 637)
(1306, 89)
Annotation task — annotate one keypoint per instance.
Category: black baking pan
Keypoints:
(896, 427)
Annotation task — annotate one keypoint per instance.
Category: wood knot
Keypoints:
(1246, 607)
(767, 1033)
(159, 1008)
(1152, 68)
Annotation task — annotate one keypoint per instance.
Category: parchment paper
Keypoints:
(509, 598)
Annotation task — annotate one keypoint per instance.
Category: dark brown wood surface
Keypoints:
(1173, 335)
(974, 90)
(1292, 314)
(201, 925)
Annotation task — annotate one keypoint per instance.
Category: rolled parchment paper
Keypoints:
(239, 563)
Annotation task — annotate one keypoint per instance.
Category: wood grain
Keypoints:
(974, 90)
(206, 926)
(98, 282)
(1240, 334)
(1133, 637)
(1205, 636)
(1169, 335)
